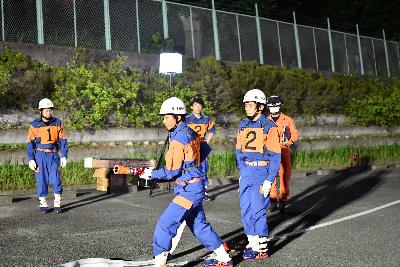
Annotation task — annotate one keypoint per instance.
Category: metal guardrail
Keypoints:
(196, 32)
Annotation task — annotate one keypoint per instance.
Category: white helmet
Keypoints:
(45, 103)
(173, 105)
(255, 95)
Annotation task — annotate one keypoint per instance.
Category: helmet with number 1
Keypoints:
(45, 103)
(255, 95)
(173, 105)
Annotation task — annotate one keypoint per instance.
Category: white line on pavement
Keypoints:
(300, 231)
(120, 263)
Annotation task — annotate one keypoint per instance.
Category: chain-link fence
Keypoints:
(145, 25)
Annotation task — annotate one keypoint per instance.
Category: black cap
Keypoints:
(274, 100)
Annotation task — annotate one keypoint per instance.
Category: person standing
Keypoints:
(183, 164)
(204, 126)
(289, 135)
(45, 138)
(257, 156)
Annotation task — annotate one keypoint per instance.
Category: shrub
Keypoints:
(376, 109)
(100, 95)
(96, 95)
(22, 82)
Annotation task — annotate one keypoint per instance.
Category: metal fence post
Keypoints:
(279, 43)
(215, 30)
(331, 46)
(238, 34)
(315, 49)
(165, 18)
(39, 19)
(398, 56)
(137, 25)
(296, 36)
(191, 31)
(347, 55)
(107, 30)
(260, 49)
(75, 30)
(2, 20)
(373, 51)
(386, 54)
(359, 50)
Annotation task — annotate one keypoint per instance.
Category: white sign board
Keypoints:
(170, 63)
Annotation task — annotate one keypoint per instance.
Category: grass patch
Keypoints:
(222, 164)
(20, 177)
(340, 156)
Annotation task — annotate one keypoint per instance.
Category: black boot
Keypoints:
(282, 206)
(273, 206)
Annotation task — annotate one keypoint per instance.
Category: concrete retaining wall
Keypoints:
(61, 55)
(18, 136)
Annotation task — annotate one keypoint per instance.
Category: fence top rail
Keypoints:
(185, 5)
(345, 33)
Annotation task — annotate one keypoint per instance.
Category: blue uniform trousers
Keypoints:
(195, 218)
(253, 204)
(48, 163)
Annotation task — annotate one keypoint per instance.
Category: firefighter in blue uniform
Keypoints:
(183, 163)
(45, 138)
(204, 126)
(258, 158)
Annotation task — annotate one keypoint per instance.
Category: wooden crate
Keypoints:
(102, 184)
(101, 172)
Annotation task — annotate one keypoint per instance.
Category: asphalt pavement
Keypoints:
(348, 218)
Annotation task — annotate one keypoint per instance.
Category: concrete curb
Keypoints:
(8, 197)
(325, 171)
(378, 167)
(301, 174)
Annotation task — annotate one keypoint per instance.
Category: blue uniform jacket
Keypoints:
(48, 135)
(183, 158)
(258, 141)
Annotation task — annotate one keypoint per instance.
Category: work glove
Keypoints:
(32, 165)
(63, 162)
(146, 173)
(266, 187)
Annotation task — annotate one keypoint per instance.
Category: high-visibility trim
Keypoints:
(184, 183)
(183, 202)
(48, 150)
(257, 163)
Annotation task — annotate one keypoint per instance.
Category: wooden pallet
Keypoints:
(110, 163)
